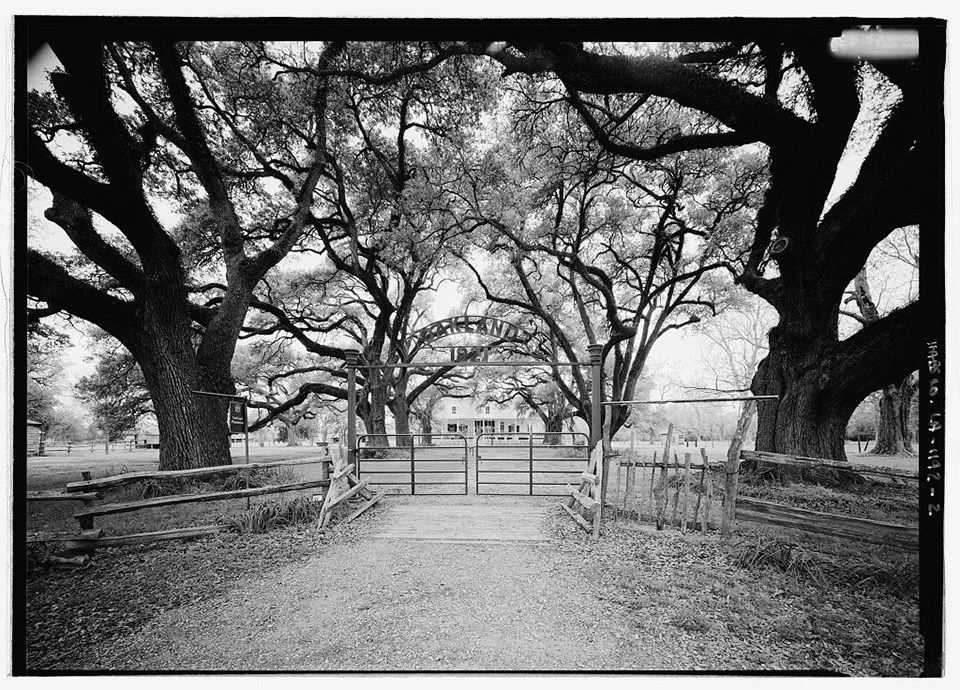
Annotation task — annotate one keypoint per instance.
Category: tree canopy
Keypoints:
(309, 197)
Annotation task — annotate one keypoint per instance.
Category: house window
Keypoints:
(503, 427)
(451, 428)
(453, 409)
(486, 409)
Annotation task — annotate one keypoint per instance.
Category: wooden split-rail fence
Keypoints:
(689, 493)
(89, 492)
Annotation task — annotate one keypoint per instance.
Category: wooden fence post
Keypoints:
(676, 493)
(653, 473)
(732, 469)
(631, 488)
(661, 490)
(616, 492)
(709, 490)
(686, 492)
(87, 521)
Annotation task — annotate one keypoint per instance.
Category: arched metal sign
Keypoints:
(456, 325)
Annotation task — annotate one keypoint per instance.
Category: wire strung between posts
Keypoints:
(475, 363)
(695, 400)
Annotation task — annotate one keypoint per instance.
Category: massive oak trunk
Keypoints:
(820, 380)
(893, 419)
(291, 431)
(553, 426)
(426, 427)
(193, 428)
(401, 420)
(372, 409)
(801, 422)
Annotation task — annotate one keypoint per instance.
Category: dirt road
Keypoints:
(444, 595)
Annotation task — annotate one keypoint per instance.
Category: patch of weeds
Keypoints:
(274, 514)
(878, 573)
(898, 576)
(788, 557)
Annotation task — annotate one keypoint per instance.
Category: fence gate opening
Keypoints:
(415, 464)
(535, 464)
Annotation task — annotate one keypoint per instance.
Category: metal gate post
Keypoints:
(596, 393)
(596, 384)
(413, 469)
(476, 464)
(352, 356)
(531, 464)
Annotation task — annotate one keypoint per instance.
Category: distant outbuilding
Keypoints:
(34, 438)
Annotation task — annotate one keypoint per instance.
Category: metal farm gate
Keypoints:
(415, 464)
(518, 464)
(536, 464)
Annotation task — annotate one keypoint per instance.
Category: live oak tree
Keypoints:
(598, 251)
(45, 345)
(207, 129)
(895, 401)
(116, 391)
(782, 89)
(271, 375)
(390, 221)
(534, 391)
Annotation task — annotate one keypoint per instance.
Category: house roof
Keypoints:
(31, 422)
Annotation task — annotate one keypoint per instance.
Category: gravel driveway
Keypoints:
(382, 604)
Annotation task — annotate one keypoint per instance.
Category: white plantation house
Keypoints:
(472, 418)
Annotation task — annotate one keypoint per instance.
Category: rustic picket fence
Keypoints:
(659, 489)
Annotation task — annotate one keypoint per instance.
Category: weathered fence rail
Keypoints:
(665, 488)
(119, 480)
(799, 461)
(114, 508)
(96, 538)
(843, 526)
(60, 496)
(90, 489)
